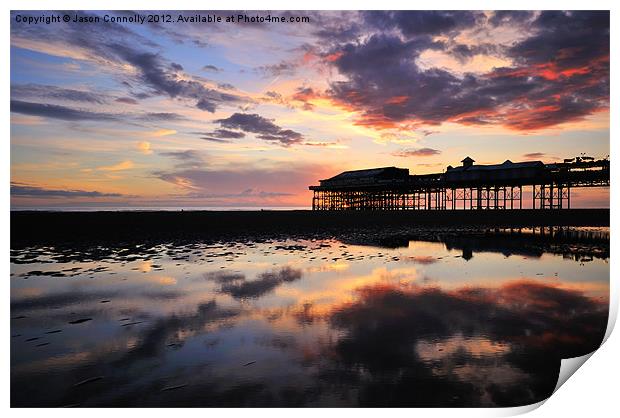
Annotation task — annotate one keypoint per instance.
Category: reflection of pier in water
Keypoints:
(579, 244)
(470, 186)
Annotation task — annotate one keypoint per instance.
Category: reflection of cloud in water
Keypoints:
(119, 361)
(175, 327)
(392, 330)
(431, 350)
(163, 294)
(328, 267)
(363, 327)
(426, 259)
(224, 276)
(26, 292)
(164, 280)
(146, 266)
(239, 288)
(475, 360)
(57, 300)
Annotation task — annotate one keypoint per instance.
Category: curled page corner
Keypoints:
(569, 366)
(519, 410)
(613, 313)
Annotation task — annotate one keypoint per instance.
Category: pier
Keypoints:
(469, 186)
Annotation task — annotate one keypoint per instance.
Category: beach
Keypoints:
(301, 308)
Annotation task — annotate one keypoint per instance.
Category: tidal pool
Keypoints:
(461, 319)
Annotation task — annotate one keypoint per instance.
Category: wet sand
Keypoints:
(53, 227)
(453, 318)
(300, 308)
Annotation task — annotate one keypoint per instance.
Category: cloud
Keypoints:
(339, 30)
(263, 127)
(385, 97)
(559, 74)
(282, 68)
(182, 155)
(212, 68)
(225, 133)
(122, 166)
(420, 152)
(510, 17)
(535, 155)
(428, 22)
(126, 100)
(165, 78)
(144, 147)
(244, 184)
(226, 86)
(565, 39)
(304, 95)
(116, 47)
(53, 111)
(204, 104)
(23, 190)
(186, 158)
(247, 193)
(556, 70)
(274, 97)
(220, 135)
(59, 112)
(161, 132)
(218, 140)
(428, 165)
(300, 99)
(165, 116)
(463, 53)
(41, 91)
(321, 144)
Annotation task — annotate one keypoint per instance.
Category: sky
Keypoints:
(245, 114)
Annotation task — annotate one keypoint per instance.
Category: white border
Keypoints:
(591, 392)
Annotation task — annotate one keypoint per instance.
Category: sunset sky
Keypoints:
(245, 114)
